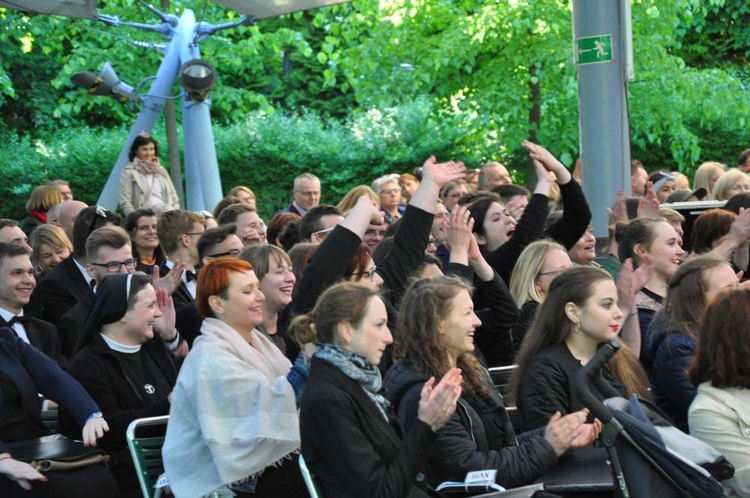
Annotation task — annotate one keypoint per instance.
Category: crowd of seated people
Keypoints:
(359, 333)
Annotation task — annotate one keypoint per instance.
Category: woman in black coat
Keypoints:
(365, 455)
(435, 334)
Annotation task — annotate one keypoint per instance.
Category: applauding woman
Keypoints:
(363, 456)
(436, 334)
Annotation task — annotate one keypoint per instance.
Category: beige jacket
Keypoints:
(134, 190)
(721, 418)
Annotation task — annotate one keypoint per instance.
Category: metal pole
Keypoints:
(203, 184)
(602, 104)
(152, 107)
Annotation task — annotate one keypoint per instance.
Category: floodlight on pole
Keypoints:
(197, 77)
(107, 84)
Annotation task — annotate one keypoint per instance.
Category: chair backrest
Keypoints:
(501, 378)
(146, 451)
(49, 417)
(312, 485)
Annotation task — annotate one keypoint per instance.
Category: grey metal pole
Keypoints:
(602, 103)
(203, 183)
(152, 107)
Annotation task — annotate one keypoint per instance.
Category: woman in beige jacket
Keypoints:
(144, 183)
(720, 412)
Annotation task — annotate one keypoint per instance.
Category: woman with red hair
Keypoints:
(234, 410)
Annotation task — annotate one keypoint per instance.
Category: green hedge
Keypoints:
(265, 153)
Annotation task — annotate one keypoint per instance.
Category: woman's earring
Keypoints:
(577, 330)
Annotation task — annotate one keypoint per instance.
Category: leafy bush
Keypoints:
(265, 153)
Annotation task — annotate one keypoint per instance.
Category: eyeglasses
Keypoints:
(194, 233)
(388, 191)
(114, 266)
(311, 193)
(233, 253)
(369, 273)
(322, 234)
(554, 272)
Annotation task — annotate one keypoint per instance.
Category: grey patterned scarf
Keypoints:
(357, 368)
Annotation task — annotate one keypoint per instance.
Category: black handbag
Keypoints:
(56, 452)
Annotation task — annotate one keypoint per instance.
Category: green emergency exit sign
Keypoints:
(593, 49)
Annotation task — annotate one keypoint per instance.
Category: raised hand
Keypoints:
(442, 173)
(545, 160)
(619, 210)
(164, 325)
(460, 234)
(648, 206)
(437, 403)
(171, 280)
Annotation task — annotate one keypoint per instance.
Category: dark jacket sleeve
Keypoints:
(493, 337)
(350, 455)
(530, 228)
(544, 390)
(325, 268)
(55, 384)
(673, 390)
(575, 219)
(407, 253)
(455, 453)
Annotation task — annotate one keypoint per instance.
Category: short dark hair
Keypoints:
(140, 140)
(224, 203)
(212, 237)
(230, 213)
(88, 220)
(173, 224)
(12, 250)
(114, 237)
(742, 158)
(289, 236)
(507, 192)
(7, 222)
(310, 222)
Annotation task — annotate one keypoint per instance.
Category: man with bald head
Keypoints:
(493, 174)
(66, 213)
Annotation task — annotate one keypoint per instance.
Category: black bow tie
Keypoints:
(190, 275)
(16, 319)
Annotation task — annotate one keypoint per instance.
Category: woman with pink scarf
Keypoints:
(144, 183)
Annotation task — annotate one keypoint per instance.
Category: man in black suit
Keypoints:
(179, 232)
(16, 285)
(68, 282)
(108, 252)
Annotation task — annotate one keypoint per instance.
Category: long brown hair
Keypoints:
(686, 296)
(552, 326)
(426, 304)
(724, 346)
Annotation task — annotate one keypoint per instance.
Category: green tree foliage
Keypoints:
(497, 72)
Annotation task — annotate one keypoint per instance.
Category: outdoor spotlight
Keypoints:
(107, 84)
(197, 77)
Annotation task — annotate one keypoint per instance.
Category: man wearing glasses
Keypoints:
(318, 222)
(109, 252)
(178, 232)
(306, 194)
